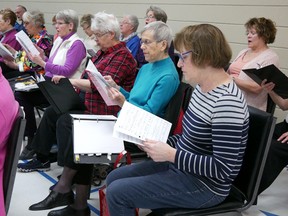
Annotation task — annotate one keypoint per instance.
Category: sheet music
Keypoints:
(136, 125)
(26, 43)
(100, 83)
(92, 134)
(5, 53)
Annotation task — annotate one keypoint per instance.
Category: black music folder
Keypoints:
(61, 96)
(272, 74)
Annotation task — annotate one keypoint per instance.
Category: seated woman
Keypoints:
(277, 158)
(8, 112)
(160, 71)
(128, 26)
(7, 21)
(260, 32)
(178, 175)
(34, 23)
(89, 41)
(67, 58)
(154, 13)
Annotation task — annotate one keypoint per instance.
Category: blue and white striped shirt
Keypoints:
(215, 132)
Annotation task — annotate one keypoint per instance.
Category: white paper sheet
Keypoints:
(93, 134)
(136, 125)
(100, 83)
(26, 43)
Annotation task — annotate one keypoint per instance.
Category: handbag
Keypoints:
(104, 211)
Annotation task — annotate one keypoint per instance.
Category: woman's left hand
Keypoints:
(267, 86)
(56, 78)
(159, 151)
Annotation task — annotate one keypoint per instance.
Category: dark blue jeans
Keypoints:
(151, 185)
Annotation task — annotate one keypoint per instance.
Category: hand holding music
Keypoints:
(268, 87)
(159, 151)
(111, 82)
(116, 95)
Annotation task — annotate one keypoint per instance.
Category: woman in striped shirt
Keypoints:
(196, 168)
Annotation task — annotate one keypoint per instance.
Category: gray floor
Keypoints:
(30, 188)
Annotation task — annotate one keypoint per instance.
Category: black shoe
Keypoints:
(34, 165)
(27, 154)
(54, 199)
(69, 211)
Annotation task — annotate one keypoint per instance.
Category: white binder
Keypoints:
(93, 139)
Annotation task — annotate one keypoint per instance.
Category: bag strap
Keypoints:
(120, 156)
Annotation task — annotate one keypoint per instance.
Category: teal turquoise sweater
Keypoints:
(154, 86)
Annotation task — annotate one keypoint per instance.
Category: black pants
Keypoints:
(29, 100)
(56, 128)
(277, 158)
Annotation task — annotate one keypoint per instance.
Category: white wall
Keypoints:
(228, 15)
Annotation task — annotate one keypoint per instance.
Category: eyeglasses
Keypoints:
(251, 32)
(98, 35)
(149, 17)
(147, 42)
(61, 23)
(182, 56)
(124, 23)
(85, 27)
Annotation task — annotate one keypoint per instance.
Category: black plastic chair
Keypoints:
(12, 154)
(245, 187)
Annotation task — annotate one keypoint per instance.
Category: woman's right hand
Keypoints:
(41, 51)
(111, 82)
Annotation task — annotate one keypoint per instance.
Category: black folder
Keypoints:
(272, 74)
(61, 96)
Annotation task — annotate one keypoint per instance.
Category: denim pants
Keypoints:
(151, 185)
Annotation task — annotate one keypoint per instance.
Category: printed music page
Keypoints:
(136, 125)
(100, 83)
(26, 43)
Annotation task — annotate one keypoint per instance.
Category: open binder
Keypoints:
(92, 139)
(61, 96)
(272, 74)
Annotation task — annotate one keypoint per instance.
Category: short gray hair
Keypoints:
(133, 21)
(104, 23)
(161, 31)
(36, 17)
(159, 14)
(69, 16)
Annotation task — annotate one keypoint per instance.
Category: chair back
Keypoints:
(14, 144)
(177, 107)
(261, 128)
(270, 105)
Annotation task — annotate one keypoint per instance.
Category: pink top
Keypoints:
(267, 57)
(8, 112)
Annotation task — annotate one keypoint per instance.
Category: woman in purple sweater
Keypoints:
(67, 58)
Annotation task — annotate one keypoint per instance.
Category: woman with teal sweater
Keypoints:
(156, 81)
